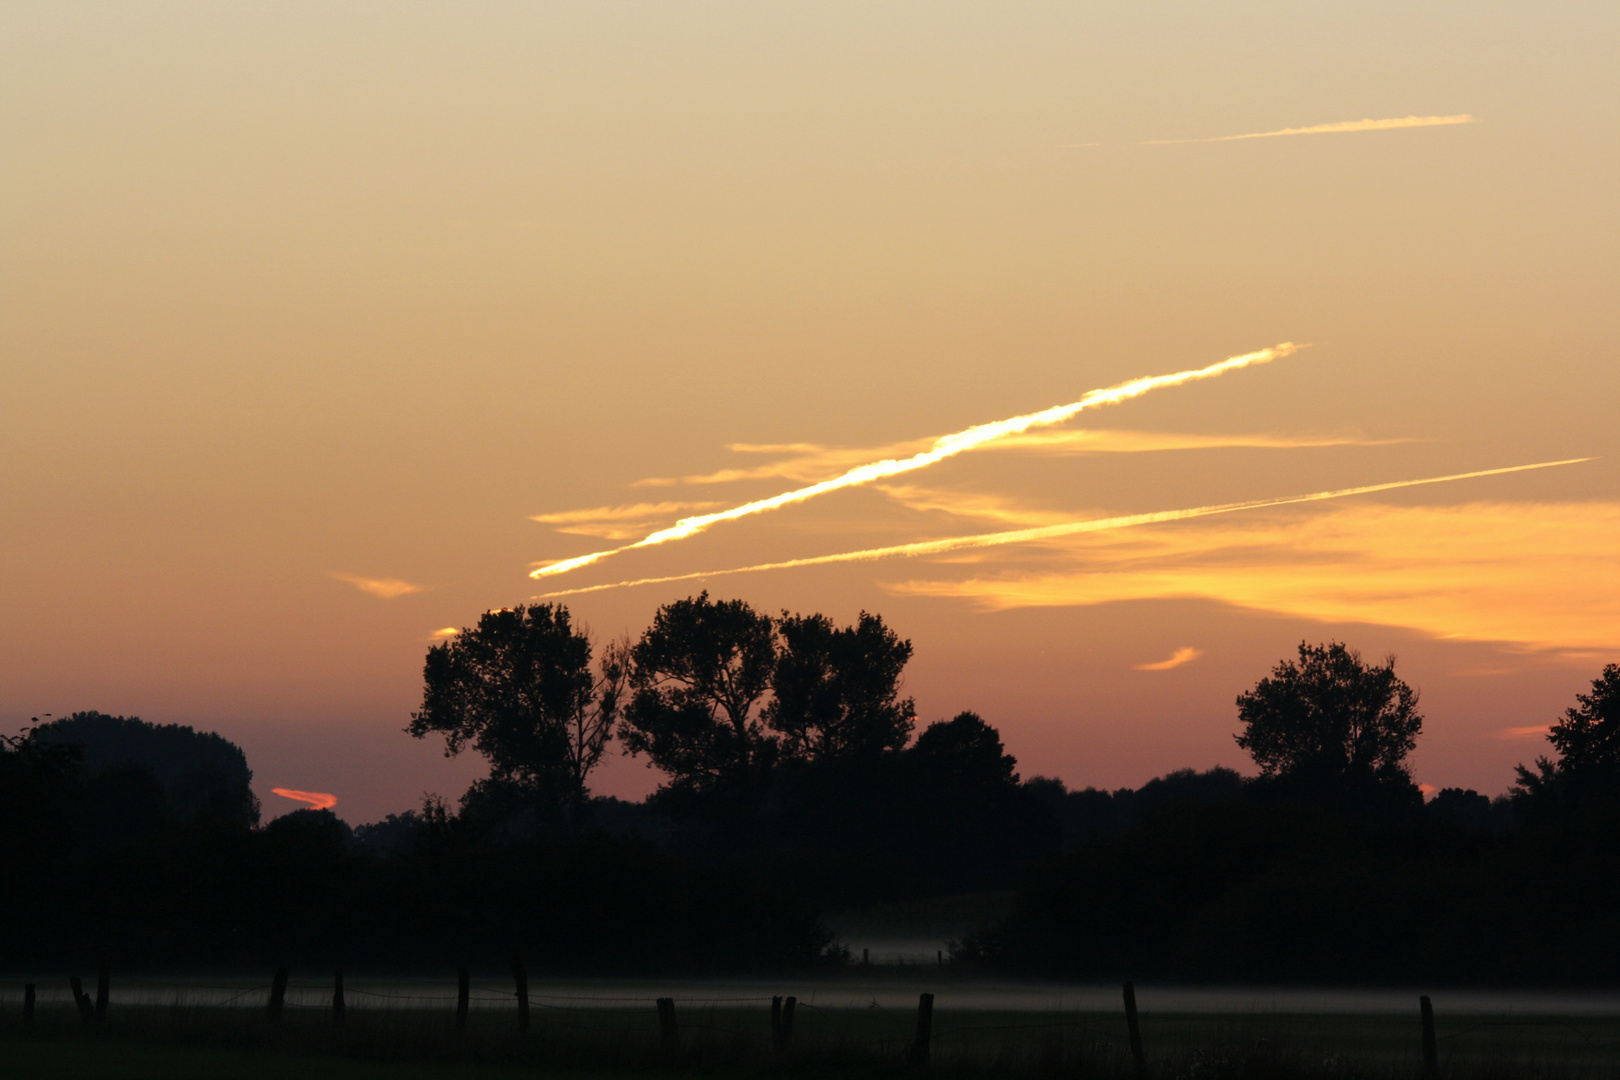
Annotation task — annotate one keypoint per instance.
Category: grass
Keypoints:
(180, 1042)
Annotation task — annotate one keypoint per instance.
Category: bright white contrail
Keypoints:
(1070, 528)
(945, 446)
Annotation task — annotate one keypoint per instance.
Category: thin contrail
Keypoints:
(1340, 128)
(945, 446)
(1046, 532)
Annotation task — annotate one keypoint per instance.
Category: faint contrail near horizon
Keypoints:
(1340, 128)
(1047, 532)
(945, 446)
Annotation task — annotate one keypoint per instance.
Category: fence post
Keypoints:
(939, 954)
(520, 978)
(925, 1030)
(103, 990)
(668, 1035)
(1137, 1057)
(776, 1024)
(788, 1008)
(278, 993)
(1431, 1054)
(28, 1003)
(866, 958)
(463, 992)
(338, 1006)
(87, 1012)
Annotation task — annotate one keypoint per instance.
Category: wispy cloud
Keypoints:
(1524, 573)
(1059, 534)
(1104, 441)
(1343, 127)
(946, 446)
(1181, 656)
(386, 588)
(446, 632)
(1534, 731)
(617, 522)
(318, 800)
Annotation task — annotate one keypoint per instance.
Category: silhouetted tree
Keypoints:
(837, 691)
(520, 688)
(1588, 743)
(1331, 719)
(197, 774)
(698, 674)
(965, 752)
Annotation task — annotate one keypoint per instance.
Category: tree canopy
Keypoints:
(698, 675)
(520, 688)
(837, 690)
(1330, 718)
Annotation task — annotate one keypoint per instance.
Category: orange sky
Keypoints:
(324, 325)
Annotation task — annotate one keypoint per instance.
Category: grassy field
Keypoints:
(178, 1042)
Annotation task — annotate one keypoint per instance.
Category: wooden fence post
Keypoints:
(278, 993)
(788, 1007)
(1431, 1053)
(939, 954)
(1137, 1057)
(520, 977)
(776, 1024)
(87, 1011)
(103, 990)
(866, 958)
(463, 992)
(28, 1003)
(668, 1035)
(925, 1030)
(339, 1008)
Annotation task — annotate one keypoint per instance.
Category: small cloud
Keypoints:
(1180, 656)
(446, 632)
(386, 588)
(1340, 128)
(1535, 731)
(617, 522)
(318, 800)
(1426, 790)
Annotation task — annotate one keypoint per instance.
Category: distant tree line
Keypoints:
(795, 781)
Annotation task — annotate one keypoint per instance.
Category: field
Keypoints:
(406, 1029)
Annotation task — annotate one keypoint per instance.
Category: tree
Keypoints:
(698, 674)
(200, 774)
(1330, 718)
(1587, 740)
(965, 752)
(520, 688)
(836, 691)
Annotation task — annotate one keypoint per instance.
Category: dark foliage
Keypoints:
(151, 771)
(520, 689)
(699, 674)
(836, 692)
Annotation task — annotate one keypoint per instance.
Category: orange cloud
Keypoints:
(1180, 656)
(1340, 128)
(446, 632)
(1534, 731)
(617, 522)
(386, 588)
(1528, 573)
(318, 800)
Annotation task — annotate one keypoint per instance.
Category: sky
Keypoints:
(323, 325)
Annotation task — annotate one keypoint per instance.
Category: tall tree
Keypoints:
(837, 691)
(1331, 718)
(697, 675)
(1588, 743)
(521, 689)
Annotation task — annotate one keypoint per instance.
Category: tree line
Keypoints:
(795, 780)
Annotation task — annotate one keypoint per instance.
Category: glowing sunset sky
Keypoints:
(325, 325)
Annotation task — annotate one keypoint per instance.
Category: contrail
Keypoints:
(1339, 128)
(1047, 532)
(945, 446)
